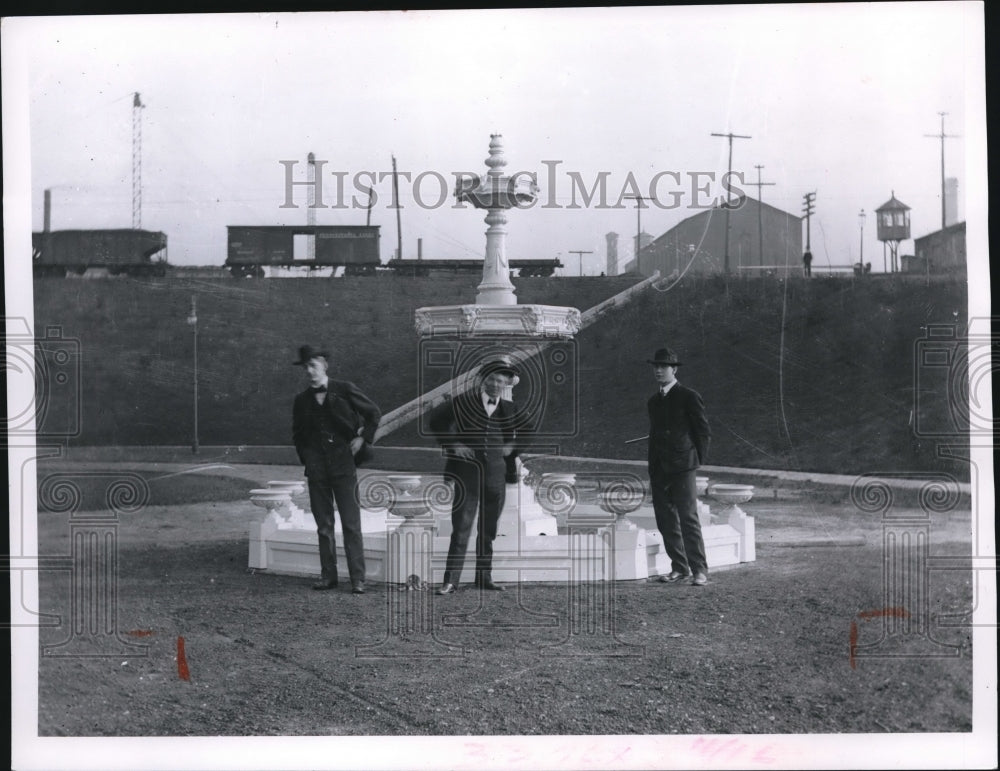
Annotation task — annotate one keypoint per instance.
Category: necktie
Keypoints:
(318, 389)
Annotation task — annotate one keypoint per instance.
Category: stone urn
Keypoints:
(276, 501)
(408, 501)
(556, 493)
(731, 495)
(296, 516)
(294, 487)
(621, 497)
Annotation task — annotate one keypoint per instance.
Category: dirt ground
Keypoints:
(804, 640)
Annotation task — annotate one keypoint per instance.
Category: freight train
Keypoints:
(355, 248)
(251, 248)
(129, 252)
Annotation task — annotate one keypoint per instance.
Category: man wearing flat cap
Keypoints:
(678, 443)
(478, 431)
(333, 423)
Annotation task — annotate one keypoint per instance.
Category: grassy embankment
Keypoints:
(813, 375)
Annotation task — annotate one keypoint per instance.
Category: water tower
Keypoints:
(893, 223)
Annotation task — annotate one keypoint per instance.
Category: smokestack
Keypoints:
(311, 210)
(420, 248)
(950, 201)
(612, 260)
(47, 212)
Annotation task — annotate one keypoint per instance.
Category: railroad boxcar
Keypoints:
(132, 252)
(251, 248)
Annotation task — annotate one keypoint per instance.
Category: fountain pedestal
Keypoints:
(731, 496)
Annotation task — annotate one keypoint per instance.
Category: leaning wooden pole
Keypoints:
(410, 411)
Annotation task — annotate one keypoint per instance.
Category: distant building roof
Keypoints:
(893, 204)
(765, 206)
(951, 229)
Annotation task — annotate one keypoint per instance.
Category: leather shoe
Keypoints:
(325, 584)
(673, 577)
(700, 579)
(446, 589)
(358, 588)
(488, 584)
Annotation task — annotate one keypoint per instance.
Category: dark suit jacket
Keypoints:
(353, 414)
(462, 420)
(678, 431)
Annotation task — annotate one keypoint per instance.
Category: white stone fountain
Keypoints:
(559, 527)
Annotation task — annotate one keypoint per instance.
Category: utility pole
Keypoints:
(395, 196)
(580, 253)
(638, 223)
(137, 106)
(942, 136)
(760, 205)
(192, 320)
(807, 208)
(729, 202)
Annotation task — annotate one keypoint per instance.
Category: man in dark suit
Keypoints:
(477, 430)
(678, 443)
(332, 424)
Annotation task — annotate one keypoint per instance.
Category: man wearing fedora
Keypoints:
(333, 423)
(678, 443)
(478, 431)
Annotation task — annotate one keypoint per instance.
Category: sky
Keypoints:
(836, 98)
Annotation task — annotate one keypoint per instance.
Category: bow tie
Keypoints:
(318, 389)
(491, 402)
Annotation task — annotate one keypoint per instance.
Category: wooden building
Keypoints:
(698, 244)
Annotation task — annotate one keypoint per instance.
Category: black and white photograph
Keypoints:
(553, 388)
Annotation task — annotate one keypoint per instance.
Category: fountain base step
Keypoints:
(391, 556)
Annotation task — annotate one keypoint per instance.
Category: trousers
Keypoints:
(342, 489)
(675, 504)
(479, 488)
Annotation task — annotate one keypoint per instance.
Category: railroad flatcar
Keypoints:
(524, 268)
(251, 248)
(129, 251)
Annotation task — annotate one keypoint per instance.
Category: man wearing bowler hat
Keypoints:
(678, 443)
(333, 423)
(477, 430)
